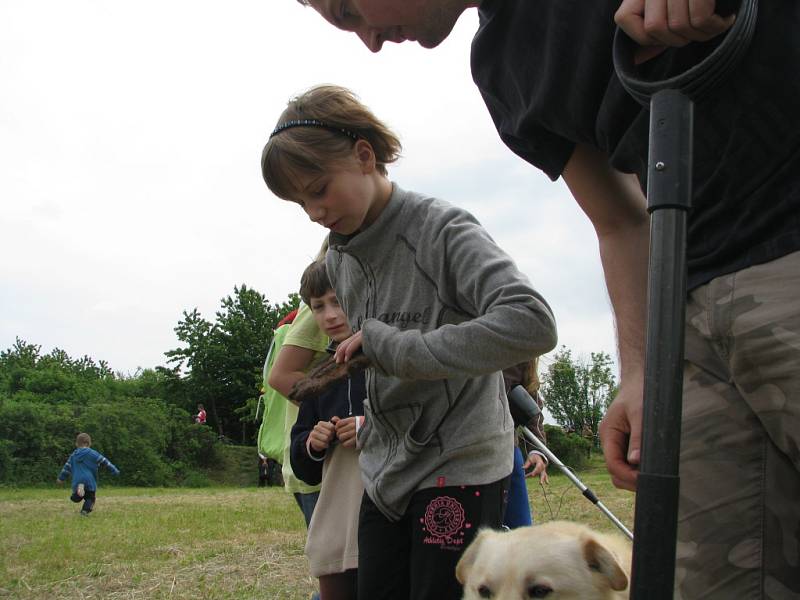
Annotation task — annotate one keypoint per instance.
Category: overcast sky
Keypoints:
(130, 184)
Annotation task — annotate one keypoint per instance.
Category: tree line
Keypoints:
(143, 421)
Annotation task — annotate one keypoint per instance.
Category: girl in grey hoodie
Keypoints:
(440, 310)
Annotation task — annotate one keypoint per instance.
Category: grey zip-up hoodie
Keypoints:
(442, 310)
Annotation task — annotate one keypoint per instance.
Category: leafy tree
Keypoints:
(223, 359)
(576, 392)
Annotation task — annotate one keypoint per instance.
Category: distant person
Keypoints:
(263, 470)
(440, 309)
(200, 417)
(82, 467)
(324, 452)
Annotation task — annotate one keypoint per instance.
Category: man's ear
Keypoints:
(365, 156)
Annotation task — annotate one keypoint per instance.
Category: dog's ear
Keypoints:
(599, 559)
(468, 558)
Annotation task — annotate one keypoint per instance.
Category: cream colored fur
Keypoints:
(557, 560)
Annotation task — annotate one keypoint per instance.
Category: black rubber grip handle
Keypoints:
(701, 79)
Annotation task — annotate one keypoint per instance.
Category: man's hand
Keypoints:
(59, 482)
(539, 465)
(321, 436)
(621, 434)
(346, 431)
(656, 24)
(346, 349)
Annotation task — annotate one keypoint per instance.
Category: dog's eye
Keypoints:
(539, 591)
(484, 592)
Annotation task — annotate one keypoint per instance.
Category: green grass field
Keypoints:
(215, 542)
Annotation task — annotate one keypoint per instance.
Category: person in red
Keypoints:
(200, 417)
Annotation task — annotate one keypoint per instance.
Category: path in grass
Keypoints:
(205, 543)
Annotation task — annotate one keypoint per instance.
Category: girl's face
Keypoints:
(349, 197)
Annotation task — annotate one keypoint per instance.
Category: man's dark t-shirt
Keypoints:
(545, 71)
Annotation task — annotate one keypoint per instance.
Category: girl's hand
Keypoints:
(539, 465)
(346, 349)
(321, 436)
(346, 431)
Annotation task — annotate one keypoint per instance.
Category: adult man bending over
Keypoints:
(544, 69)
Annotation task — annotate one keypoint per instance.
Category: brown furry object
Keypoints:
(320, 379)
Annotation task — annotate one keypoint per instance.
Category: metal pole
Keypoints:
(669, 193)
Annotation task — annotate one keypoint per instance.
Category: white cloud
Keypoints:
(130, 189)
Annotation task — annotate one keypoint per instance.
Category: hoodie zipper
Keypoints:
(394, 437)
(349, 400)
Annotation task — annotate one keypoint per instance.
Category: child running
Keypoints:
(440, 310)
(323, 451)
(82, 467)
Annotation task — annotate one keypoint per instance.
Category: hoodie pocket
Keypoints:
(424, 426)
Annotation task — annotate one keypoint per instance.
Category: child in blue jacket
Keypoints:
(82, 467)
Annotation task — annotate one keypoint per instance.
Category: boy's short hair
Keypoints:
(314, 282)
(83, 439)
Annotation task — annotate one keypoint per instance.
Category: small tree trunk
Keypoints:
(217, 420)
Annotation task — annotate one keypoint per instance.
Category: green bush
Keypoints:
(144, 438)
(46, 400)
(196, 479)
(570, 448)
(34, 437)
(190, 442)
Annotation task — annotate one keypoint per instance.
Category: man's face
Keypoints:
(426, 22)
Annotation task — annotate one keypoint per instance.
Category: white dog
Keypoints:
(557, 560)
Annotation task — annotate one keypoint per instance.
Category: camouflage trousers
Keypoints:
(739, 517)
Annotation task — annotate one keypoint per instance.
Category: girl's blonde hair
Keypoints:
(531, 381)
(310, 150)
(323, 250)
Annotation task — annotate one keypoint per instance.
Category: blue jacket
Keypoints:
(82, 466)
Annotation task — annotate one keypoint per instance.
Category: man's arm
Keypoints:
(614, 203)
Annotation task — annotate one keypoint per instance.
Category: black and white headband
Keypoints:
(312, 123)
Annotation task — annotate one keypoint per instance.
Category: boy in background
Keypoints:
(82, 467)
(323, 451)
